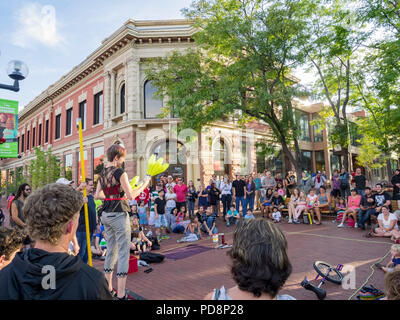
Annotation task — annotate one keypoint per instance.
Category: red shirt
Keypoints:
(181, 191)
(144, 196)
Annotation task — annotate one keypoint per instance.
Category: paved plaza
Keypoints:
(195, 276)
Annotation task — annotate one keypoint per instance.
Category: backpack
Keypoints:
(155, 244)
(150, 257)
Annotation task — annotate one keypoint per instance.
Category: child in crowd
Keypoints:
(312, 200)
(249, 214)
(11, 241)
(394, 264)
(340, 208)
(301, 206)
(134, 210)
(171, 219)
(182, 220)
(276, 215)
(192, 231)
(353, 206)
(143, 215)
(281, 190)
(99, 251)
(392, 285)
(140, 242)
(232, 216)
(200, 213)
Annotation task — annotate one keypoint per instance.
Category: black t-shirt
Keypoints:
(395, 179)
(365, 203)
(360, 182)
(239, 185)
(380, 199)
(277, 201)
(161, 203)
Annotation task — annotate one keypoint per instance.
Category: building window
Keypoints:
(68, 127)
(152, 105)
(98, 108)
(23, 143)
(307, 161)
(33, 137)
(318, 136)
(220, 158)
(122, 100)
(68, 166)
(58, 127)
(40, 135)
(18, 145)
(82, 113)
(304, 127)
(320, 160)
(27, 141)
(79, 175)
(47, 132)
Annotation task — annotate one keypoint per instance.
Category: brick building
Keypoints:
(110, 92)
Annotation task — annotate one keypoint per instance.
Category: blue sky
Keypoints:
(52, 37)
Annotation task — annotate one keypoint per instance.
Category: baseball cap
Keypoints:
(64, 181)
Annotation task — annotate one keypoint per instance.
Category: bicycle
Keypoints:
(324, 270)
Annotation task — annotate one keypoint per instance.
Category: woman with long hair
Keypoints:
(113, 187)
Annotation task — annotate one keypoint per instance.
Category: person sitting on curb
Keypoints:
(192, 231)
(232, 216)
(260, 265)
(209, 219)
(52, 218)
(387, 224)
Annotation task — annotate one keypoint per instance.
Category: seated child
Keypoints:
(249, 214)
(192, 231)
(182, 220)
(139, 240)
(232, 216)
(394, 264)
(301, 206)
(209, 219)
(276, 215)
(134, 210)
(340, 208)
(11, 242)
(99, 250)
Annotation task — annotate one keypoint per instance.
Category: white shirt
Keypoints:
(170, 199)
(388, 222)
(226, 188)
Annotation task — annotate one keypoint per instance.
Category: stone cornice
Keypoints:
(166, 31)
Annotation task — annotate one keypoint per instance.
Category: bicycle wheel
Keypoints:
(322, 269)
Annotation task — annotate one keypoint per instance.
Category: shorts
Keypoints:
(161, 221)
(152, 218)
(267, 204)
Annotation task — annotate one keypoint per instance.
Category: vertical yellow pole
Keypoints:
(89, 251)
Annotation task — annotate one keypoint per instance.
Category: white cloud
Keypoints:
(36, 23)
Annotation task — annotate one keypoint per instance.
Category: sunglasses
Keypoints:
(28, 190)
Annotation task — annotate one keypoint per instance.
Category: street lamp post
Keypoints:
(18, 71)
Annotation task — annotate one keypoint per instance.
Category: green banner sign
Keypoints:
(9, 128)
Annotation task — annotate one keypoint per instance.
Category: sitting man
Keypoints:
(367, 207)
(209, 218)
(11, 241)
(52, 218)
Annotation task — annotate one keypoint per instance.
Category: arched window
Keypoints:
(152, 105)
(220, 158)
(122, 99)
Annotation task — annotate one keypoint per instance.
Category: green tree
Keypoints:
(332, 50)
(240, 66)
(44, 169)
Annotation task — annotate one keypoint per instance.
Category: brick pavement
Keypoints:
(195, 276)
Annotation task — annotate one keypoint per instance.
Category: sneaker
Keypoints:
(228, 224)
(296, 221)
(180, 240)
(356, 225)
(340, 225)
(113, 293)
(290, 221)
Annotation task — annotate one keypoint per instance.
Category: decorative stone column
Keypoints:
(113, 106)
(132, 88)
(106, 99)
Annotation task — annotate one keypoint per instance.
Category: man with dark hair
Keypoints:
(11, 241)
(17, 218)
(382, 198)
(81, 231)
(48, 272)
(238, 188)
(367, 208)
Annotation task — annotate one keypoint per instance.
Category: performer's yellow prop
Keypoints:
(134, 183)
(156, 167)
